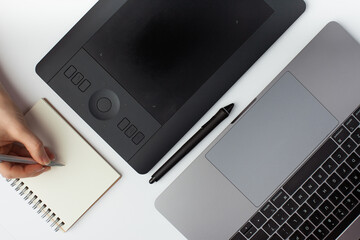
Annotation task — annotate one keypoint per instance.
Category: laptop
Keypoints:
(288, 166)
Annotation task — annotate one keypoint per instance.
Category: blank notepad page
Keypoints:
(68, 191)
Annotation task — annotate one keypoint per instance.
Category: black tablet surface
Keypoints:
(142, 72)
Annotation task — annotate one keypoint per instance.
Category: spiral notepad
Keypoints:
(63, 194)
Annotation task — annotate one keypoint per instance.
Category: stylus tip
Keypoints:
(152, 180)
(229, 107)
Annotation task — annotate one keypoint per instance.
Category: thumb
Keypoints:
(35, 147)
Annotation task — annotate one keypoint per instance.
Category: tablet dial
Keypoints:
(104, 104)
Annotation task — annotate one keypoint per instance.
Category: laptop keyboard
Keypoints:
(321, 199)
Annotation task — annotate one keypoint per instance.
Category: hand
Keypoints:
(17, 139)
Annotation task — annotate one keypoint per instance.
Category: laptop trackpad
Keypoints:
(272, 139)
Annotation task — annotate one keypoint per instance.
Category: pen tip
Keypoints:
(55, 164)
(152, 180)
(229, 107)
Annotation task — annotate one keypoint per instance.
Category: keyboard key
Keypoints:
(246, 228)
(268, 209)
(344, 224)
(260, 235)
(270, 227)
(250, 232)
(280, 216)
(310, 186)
(351, 123)
(358, 151)
(295, 221)
(329, 166)
(346, 187)
(344, 170)
(341, 212)
(336, 197)
(349, 145)
(314, 201)
(275, 237)
(307, 228)
(353, 160)
(324, 190)
(319, 176)
(350, 202)
(356, 192)
(355, 177)
(339, 156)
(297, 236)
(290, 206)
(357, 114)
(285, 231)
(321, 232)
(326, 208)
(311, 237)
(279, 198)
(340, 135)
(356, 136)
(316, 218)
(334, 180)
(300, 196)
(304, 211)
(238, 236)
(331, 222)
(310, 166)
(258, 220)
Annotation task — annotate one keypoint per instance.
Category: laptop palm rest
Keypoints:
(268, 143)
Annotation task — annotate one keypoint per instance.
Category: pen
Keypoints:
(24, 160)
(192, 142)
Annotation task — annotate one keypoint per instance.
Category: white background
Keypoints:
(29, 29)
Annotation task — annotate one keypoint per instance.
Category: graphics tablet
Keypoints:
(141, 73)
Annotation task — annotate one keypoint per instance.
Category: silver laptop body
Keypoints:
(257, 160)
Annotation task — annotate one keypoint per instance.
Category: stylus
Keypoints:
(24, 160)
(192, 142)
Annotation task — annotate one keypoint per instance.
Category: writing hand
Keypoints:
(17, 139)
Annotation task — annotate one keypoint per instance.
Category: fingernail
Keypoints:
(40, 170)
(45, 160)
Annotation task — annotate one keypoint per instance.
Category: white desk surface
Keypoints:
(29, 29)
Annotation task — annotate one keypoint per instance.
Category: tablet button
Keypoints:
(70, 71)
(123, 124)
(138, 138)
(84, 85)
(104, 104)
(77, 78)
(130, 131)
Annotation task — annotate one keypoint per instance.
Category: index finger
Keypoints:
(33, 144)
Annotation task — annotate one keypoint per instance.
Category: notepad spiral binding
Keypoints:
(36, 203)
